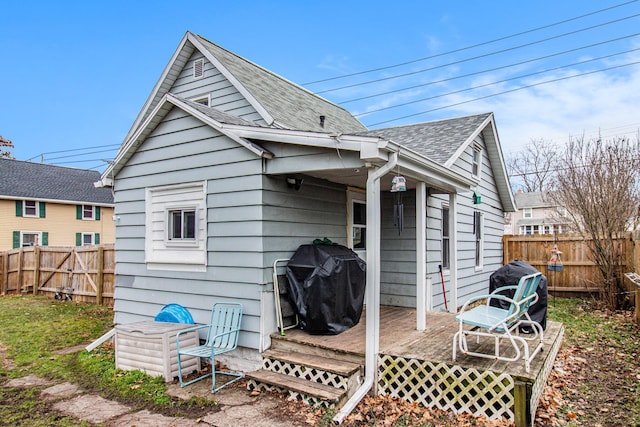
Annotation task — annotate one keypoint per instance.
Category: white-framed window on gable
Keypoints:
(476, 161)
(478, 233)
(204, 100)
(198, 68)
(176, 227)
(527, 213)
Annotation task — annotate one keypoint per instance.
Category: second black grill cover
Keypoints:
(327, 284)
(509, 275)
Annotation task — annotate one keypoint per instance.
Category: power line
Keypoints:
(413, 61)
(415, 101)
(489, 70)
(504, 92)
(74, 149)
(397, 76)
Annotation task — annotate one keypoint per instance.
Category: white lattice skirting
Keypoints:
(310, 374)
(451, 388)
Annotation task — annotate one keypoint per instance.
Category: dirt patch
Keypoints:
(7, 363)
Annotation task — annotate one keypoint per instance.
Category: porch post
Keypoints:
(453, 256)
(421, 256)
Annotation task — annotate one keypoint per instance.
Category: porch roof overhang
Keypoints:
(347, 154)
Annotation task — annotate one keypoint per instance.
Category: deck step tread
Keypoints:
(310, 388)
(340, 367)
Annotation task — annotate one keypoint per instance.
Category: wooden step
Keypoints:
(340, 367)
(302, 386)
(287, 344)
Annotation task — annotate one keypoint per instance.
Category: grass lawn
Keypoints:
(596, 380)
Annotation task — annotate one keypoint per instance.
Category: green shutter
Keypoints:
(97, 213)
(96, 239)
(45, 238)
(78, 239)
(16, 239)
(42, 210)
(78, 211)
(18, 207)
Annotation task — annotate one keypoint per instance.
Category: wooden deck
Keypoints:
(418, 365)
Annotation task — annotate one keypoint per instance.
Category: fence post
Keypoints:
(99, 276)
(36, 272)
(5, 272)
(19, 281)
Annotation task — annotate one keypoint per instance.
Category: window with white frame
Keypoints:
(30, 208)
(527, 213)
(478, 225)
(562, 211)
(88, 212)
(204, 100)
(30, 238)
(446, 242)
(476, 161)
(175, 227)
(88, 239)
(359, 224)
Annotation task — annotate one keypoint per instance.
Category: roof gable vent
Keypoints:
(198, 68)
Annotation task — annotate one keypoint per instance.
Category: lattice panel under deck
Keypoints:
(293, 395)
(541, 380)
(450, 388)
(310, 374)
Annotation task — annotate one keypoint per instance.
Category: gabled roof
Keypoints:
(438, 140)
(443, 141)
(279, 102)
(39, 181)
(535, 199)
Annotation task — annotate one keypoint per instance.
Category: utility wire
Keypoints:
(74, 149)
(488, 70)
(415, 101)
(413, 61)
(397, 76)
(503, 92)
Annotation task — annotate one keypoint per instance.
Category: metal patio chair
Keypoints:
(222, 337)
(502, 324)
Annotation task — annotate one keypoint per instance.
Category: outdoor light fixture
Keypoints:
(293, 182)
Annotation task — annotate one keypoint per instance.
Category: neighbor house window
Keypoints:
(88, 212)
(87, 239)
(359, 224)
(478, 224)
(446, 256)
(182, 224)
(30, 208)
(562, 211)
(476, 161)
(30, 238)
(527, 213)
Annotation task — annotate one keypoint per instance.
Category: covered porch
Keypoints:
(416, 365)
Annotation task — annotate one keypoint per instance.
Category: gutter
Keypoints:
(373, 280)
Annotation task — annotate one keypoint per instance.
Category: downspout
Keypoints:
(373, 282)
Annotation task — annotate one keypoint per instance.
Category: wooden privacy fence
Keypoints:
(579, 275)
(83, 273)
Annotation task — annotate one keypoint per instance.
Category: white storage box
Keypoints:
(151, 347)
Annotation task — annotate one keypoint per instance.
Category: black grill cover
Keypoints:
(326, 285)
(509, 275)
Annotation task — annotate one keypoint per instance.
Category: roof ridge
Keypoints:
(433, 121)
(278, 76)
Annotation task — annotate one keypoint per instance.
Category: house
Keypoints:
(50, 205)
(229, 167)
(537, 213)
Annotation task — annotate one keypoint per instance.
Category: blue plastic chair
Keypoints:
(502, 324)
(222, 337)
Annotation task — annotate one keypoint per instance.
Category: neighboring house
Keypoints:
(50, 205)
(537, 214)
(229, 167)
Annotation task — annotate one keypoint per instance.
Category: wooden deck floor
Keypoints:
(399, 337)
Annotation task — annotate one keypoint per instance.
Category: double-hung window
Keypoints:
(182, 224)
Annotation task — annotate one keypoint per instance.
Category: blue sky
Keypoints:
(75, 74)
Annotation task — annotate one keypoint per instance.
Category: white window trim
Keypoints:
(480, 264)
(38, 233)
(527, 212)
(93, 213)
(183, 242)
(199, 62)
(199, 99)
(445, 269)
(24, 209)
(93, 239)
(476, 149)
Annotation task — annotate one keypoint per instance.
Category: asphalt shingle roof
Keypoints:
(289, 104)
(535, 199)
(20, 179)
(217, 115)
(436, 140)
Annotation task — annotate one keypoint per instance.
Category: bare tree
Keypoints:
(598, 183)
(4, 144)
(533, 168)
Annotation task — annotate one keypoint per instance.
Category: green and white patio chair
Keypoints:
(222, 337)
(501, 324)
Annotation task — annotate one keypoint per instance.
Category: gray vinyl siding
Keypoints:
(223, 95)
(434, 248)
(182, 150)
